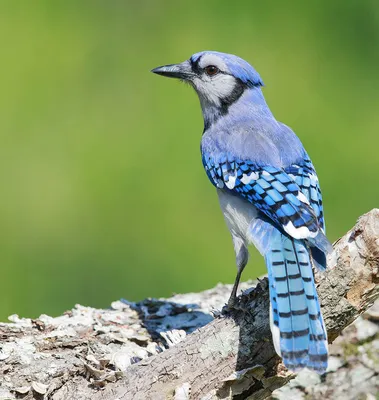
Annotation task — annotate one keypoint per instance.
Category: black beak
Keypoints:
(179, 71)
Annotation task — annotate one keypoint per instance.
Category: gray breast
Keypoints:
(238, 214)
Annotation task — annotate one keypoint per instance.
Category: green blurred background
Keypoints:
(103, 194)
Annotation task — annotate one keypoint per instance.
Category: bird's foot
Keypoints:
(232, 302)
(217, 313)
(231, 305)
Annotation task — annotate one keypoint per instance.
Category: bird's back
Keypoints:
(263, 141)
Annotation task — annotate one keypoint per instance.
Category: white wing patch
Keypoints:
(299, 233)
(313, 177)
(302, 198)
(246, 179)
(231, 182)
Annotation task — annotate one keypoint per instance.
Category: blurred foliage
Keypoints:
(103, 191)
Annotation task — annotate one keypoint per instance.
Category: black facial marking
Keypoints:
(226, 102)
(237, 92)
(195, 65)
(207, 124)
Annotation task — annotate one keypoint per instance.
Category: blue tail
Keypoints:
(298, 329)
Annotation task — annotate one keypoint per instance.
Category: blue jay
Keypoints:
(269, 194)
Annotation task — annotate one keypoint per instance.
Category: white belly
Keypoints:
(238, 214)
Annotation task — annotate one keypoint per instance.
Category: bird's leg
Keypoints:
(233, 295)
(242, 256)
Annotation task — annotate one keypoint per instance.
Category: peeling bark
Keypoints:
(175, 349)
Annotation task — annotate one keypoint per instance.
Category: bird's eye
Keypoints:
(211, 70)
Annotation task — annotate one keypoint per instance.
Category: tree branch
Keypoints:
(145, 351)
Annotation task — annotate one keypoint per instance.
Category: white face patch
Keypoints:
(212, 89)
(213, 59)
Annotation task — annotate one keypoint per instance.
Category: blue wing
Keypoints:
(276, 192)
(304, 175)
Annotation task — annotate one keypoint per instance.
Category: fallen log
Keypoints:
(174, 348)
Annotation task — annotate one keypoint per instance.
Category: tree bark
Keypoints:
(175, 349)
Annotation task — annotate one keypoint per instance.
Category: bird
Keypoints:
(270, 197)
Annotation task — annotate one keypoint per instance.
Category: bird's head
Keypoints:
(218, 78)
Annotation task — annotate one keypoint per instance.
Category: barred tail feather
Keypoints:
(297, 326)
